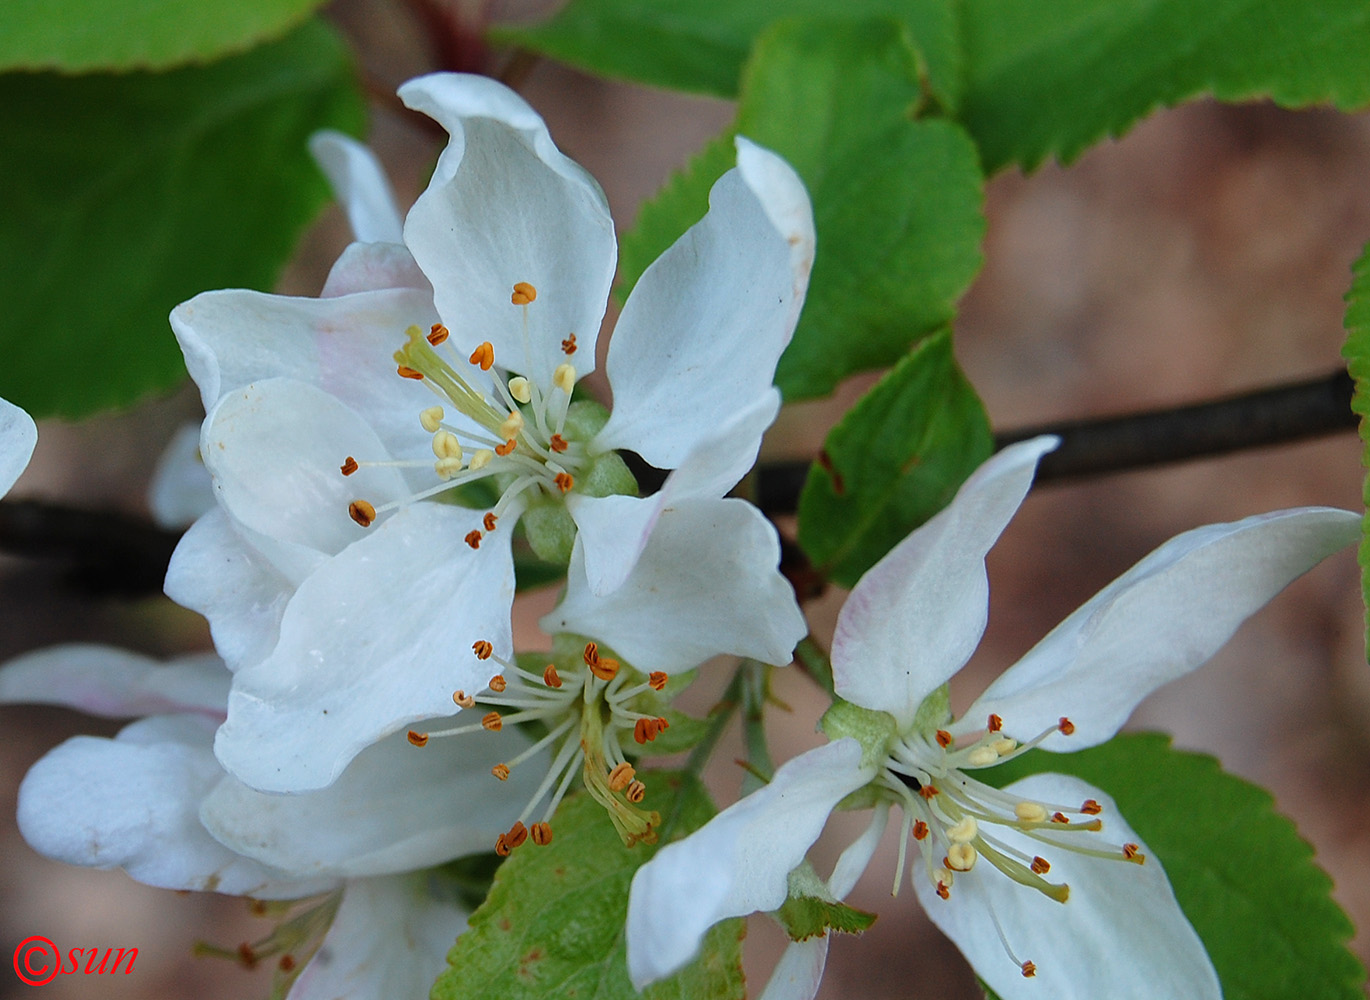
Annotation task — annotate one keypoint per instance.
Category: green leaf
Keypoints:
(808, 916)
(552, 926)
(700, 45)
(897, 202)
(1050, 80)
(893, 461)
(125, 194)
(83, 35)
(1357, 354)
(1241, 873)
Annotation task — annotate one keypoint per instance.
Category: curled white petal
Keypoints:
(360, 185)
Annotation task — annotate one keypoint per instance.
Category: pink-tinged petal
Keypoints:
(737, 863)
(799, 971)
(274, 450)
(390, 938)
(376, 640)
(343, 345)
(370, 267)
(360, 185)
(180, 491)
(133, 803)
(1120, 935)
(916, 616)
(105, 680)
(18, 435)
(395, 808)
(701, 333)
(616, 529)
(505, 206)
(218, 573)
(706, 584)
(1158, 621)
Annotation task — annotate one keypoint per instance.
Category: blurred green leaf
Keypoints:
(1357, 354)
(895, 459)
(700, 45)
(1051, 80)
(897, 201)
(1242, 874)
(125, 194)
(552, 926)
(84, 35)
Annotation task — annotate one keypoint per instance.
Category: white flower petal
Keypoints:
(706, 584)
(379, 638)
(1120, 935)
(701, 333)
(105, 680)
(216, 572)
(615, 529)
(799, 971)
(180, 490)
(390, 938)
(737, 863)
(274, 449)
(132, 803)
(370, 267)
(1158, 621)
(916, 616)
(395, 808)
(343, 345)
(505, 206)
(360, 185)
(18, 435)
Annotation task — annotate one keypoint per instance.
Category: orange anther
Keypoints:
(662, 725)
(502, 846)
(542, 834)
(1066, 727)
(404, 371)
(500, 771)
(995, 723)
(550, 677)
(523, 294)
(1130, 851)
(473, 539)
(920, 829)
(437, 334)
(621, 776)
(927, 791)
(636, 792)
(1091, 808)
(1040, 865)
(943, 738)
(1060, 818)
(498, 683)
(517, 834)
(644, 730)
(506, 448)
(568, 346)
(558, 443)
(590, 654)
(604, 668)
(484, 356)
(943, 890)
(349, 467)
(418, 739)
(656, 680)
(482, 649)
(463, 700)
(286, 963)
(565, 481)
(361, 512)
(1029, 970)
(489, 520)
(492, 721)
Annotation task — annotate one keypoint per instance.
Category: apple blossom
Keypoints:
(18, 435)
(155, 802)
(1040, 895)
(350, 609)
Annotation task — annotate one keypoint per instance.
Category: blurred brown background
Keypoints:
(1207, 252)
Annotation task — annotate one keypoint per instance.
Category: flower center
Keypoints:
(956, 816)
(514, 431)
(585, 721)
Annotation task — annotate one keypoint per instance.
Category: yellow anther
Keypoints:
(463, 700)
(361, 512)
(1030, 812)
(542, 834)
(437, 333)
(431, 418)
(500, 771)
(564, 377)
(492, 721)
(621, 776)
(981, 755)
(518, 388)
(498, 684)
(446, 445)
(349, 467)
(1005, 746)
(960, 857)
(483, 356)
(446, 468)
(481, 459)
(418, 739)
(964, 831)
(512, 425)
(523, 294)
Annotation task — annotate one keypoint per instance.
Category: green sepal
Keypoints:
(550, 531)
(935, 711)
(874, 730)
(810, 910)
(1356, 350)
